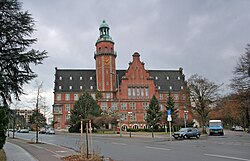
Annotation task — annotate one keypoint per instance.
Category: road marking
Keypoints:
(150, 147)
(227, 157)
(118, 143)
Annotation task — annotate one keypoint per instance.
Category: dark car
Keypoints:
(185, 133)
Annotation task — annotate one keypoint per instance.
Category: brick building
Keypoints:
(130, 89)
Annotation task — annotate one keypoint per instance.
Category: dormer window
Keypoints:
(179, 78)
(70, 78)
(80, 78)
(156, 78)
(70, 87)
(59, 87)
(90, 78)
(167, 77)
(159, 87)
(60, 78)
(170, 87)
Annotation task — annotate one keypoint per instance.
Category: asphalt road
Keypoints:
(232, 146)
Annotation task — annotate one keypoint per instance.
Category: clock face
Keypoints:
(106, 60)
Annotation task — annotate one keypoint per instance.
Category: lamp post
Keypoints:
(119, 103)
(129, 116)
(185, 118)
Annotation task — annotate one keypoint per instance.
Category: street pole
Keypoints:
(81, 147)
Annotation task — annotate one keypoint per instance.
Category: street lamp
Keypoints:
(129, 115)
(119, 103)
(185, 118)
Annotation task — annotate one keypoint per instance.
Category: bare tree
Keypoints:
(203, 97)
(240, 83)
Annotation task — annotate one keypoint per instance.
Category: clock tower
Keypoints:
(105, 56)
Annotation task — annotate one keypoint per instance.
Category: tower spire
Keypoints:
(104, 32)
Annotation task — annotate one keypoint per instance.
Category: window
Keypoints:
(76, 97)
(183, 97)
(59, 87)
(170, 87)
(179, 78)
(124, 106)
(108, 95)
(58, 97)
(104, 105)
(67, 96)
(124, 116)
(80, 78)
(70, 78)
(145, 116)
(57, 109)
(67, 117)
(145, 105)
(181, 87)
(132, 105)
(90, 78)
(114, 106)
(106, 49)
(142, 92)
(60, 78)
(167, 77)
(133, 117)
(81, 87)
(161, 96)
(129, 92)
(58, 118)
(176, 105)
(138, 92)
(146, 92)
(67, 107)
(159, 87)
(133, 92)
(156, 78)
(176, 97)
(135, 127)
(161, 107)
(70, 87)
(91, 87)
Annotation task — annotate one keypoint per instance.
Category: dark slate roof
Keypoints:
(163, 79)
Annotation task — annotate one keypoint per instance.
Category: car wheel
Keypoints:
(175, 137)
(185, 136)
(197, 136)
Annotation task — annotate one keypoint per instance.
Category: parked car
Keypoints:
(50, 131)
(42, 131)
(23, 131)
(238, 128)
(185, 133)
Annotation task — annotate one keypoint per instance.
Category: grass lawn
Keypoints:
(2, 155)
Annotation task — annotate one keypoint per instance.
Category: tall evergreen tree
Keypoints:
(15, 54)
(170, 105)
(85, 108)
(153, 114)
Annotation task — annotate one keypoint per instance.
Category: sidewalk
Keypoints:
(22, 150)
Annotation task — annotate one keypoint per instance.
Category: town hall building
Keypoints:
(125, 91)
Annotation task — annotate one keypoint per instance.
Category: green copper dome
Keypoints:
(104, 24)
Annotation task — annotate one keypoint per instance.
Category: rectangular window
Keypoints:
(161, 107)
(104, 105)
(81, 87)
(70, 87)
(124, 106)
(142, 92)
(133, 92)
(67, 96)
(132, 105)
(129, 92)
(59, 118)
(58, 97)
(59, 87)
(133, 117)
(67, 107)
(91, 87)
(80, 78)
(176, 97)
(124, 116)
(138, 92)
(60, 78)
(145, 105)
(76, 98)
(70, 78)
(146, 92)
(67, 117)
(183, 97)
(161, 96)
(114, 106)
(145, 116)
(108, 95)
(90, 78)
(57, 109)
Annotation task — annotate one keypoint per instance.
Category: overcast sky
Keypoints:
(205, 37)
